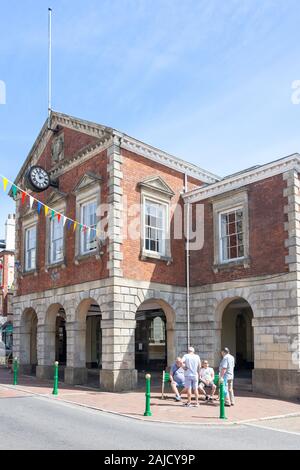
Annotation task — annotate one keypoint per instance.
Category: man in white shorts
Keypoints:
(191, 366)
(206, 380)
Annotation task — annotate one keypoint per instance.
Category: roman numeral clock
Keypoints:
(38, 179)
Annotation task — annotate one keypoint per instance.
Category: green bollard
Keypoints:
(55, 387)
(15, 369)
(222, 400)
(148, 396)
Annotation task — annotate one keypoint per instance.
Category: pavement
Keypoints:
(249, 408)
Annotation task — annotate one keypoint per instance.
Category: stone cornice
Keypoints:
(105, 135)
(166, 159)
(282, 165)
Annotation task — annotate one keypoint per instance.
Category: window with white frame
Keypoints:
(30, 248)
(56, 241)
(88, 238)
(154, 227)
(232, 235)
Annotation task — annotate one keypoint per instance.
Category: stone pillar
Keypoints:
(76, 372)
(45, 351)
(118, 355)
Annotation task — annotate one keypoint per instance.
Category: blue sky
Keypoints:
(206, 80)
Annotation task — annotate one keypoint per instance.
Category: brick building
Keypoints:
(131, 299)
(7, 272)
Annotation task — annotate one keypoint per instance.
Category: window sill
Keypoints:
(92, 254)
(33, 272)
(223, 266)
(60, 264)
(145, 255)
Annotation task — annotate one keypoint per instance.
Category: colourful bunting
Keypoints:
(15, 190)
(5, 183)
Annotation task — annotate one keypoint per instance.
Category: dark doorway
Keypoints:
(61, 339)
(150, 341)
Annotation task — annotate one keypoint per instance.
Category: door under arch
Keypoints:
(150, 340)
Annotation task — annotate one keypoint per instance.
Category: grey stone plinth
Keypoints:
(44, 372)
(118, 380)
(75, 375)
(278, 383)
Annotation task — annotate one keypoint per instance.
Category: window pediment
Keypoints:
(157, 184)
(86, 182)
(56, 197)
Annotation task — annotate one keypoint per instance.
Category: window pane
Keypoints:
(232, 235)
(154, 226)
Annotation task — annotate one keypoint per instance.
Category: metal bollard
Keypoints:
(55, 387)
(15, 370)
(148, 395)
(222, 400)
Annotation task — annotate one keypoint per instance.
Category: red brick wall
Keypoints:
(137, 169)
(266, 231)
(89, 269)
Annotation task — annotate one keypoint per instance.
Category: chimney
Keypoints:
(10, 228)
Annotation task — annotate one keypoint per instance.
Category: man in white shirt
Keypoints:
(227, 374)
(206, 380)
(191, 366)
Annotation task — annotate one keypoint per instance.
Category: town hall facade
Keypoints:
(133, 294)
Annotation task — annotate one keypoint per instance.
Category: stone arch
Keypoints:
(86, 310)
(55, 341)
(153, 303)
(28, 339)
(235, 315)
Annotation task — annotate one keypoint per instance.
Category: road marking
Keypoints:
(272, 429)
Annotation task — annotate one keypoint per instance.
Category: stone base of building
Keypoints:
(27, 369)
(118, 380)
(75, 375)
(278, 383)
(44, 372)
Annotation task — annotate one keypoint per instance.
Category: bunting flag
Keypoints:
(15, 191)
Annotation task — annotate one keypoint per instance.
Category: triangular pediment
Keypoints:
(156, 183)
(86, 181)
(55, 196)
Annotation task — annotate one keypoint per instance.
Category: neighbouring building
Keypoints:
(7, 272)
(122, 302)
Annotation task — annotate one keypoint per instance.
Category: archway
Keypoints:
(55, 340)
(61, 337)
(88, 341)
(237, 333)
(154, 336)
(28, 340)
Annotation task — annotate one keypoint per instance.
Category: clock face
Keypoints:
(38, 179)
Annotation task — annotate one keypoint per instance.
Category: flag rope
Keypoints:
(15, 189)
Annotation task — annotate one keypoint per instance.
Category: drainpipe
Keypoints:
(187, 264)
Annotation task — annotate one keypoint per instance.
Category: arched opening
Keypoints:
(28, 340)
(154, 336)
(237, 333)
(89, 339)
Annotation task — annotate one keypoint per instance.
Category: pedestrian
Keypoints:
(192, 366)
(226, 372)
(177, 378)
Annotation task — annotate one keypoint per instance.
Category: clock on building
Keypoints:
(38, 179)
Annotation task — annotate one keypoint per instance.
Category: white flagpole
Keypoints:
(49, 66)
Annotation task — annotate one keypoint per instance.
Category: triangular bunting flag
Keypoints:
(75, 225)
(14, 190)
(39, 208)
(31, 201)
(70, 224)
(23, 197)
(5, 183)
(46, 210)
(58, 217)
(64, 220)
